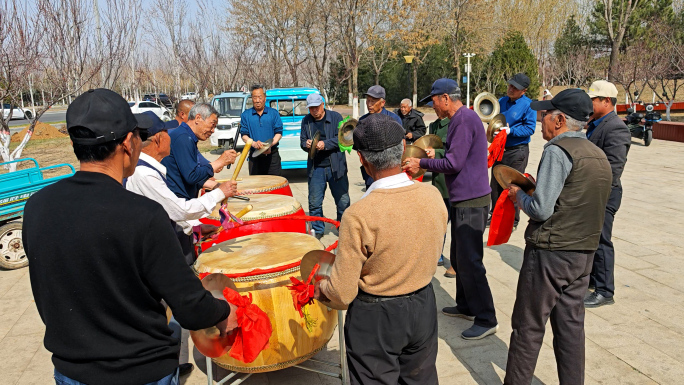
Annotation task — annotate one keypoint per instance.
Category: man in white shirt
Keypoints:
(149, 180)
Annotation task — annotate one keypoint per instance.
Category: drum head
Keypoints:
(264, 206)
(255, 184)
(256, 252)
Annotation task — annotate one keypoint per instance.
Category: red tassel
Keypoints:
(503, 218)
(303, 292)
(497, 148)
(254, 328)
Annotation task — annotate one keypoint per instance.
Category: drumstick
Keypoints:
(243, 156)
(244, 211)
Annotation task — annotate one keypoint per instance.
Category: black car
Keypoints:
(165, 100)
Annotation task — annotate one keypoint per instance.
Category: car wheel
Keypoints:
(28, 115)
(12, 254)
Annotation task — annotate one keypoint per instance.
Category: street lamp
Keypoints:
(409, 60)
(468, 55)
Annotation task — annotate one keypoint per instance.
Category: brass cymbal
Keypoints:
(507, 175)
(412, 151)
(495, 125)
(429, 141)
(325, 261)
(209, 341)
(314, 143)
(345, 134)
(264, 146)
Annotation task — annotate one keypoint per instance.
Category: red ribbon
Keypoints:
(303, 292)
(497, 148)
(254, 328)
(501, 227)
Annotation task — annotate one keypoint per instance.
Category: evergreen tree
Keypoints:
(571, 39)
(512, 56)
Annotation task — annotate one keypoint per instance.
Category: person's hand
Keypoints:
(257, 145)
(228, 157)
(409, 135)
(207, 229)
(268, 151)
(513, 192)
(320, 146)
(308, 143)
(229, 188)
(229, 324)
(430, 152)
(210, 184)
(411, 166)
(507, 129)
(318, 294)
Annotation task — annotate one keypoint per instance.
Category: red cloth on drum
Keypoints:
(303, 292)
(254, 328)
(503, 217)
(497, 148)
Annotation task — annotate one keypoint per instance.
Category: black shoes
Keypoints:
(597, 300)
(185, 369)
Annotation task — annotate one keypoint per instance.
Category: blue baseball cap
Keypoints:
(157, 126)
(314, 100)
(443, 86)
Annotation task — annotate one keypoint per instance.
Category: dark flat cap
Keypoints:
(519, 81)
(377, 132)
(573, 102)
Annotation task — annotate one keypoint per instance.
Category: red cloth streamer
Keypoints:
(254, 328)
(503, 217)
(497, 148)
(303, 292)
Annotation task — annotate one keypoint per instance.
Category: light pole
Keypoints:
(468, 55)
(409, 60)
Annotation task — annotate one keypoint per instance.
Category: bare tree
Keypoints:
(616, 27)
(170, 14)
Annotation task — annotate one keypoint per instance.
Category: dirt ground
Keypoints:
(41, 131)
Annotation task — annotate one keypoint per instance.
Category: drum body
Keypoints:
(261, 265)
(263, 184)
(264, 206)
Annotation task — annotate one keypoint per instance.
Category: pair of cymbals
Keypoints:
(507, 176)
(345, 135)
(495, 125)
(429, 141)
(264, 146)
(314, 144)
(413, 151)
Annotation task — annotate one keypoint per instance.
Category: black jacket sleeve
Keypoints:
(616, 143)
(164, 268)
(304, 133)
(417, 127)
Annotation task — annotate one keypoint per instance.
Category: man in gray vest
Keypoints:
(566, 216)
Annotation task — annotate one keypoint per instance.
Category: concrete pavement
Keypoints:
(638, 340)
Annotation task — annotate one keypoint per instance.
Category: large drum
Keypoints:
(262, 264)
(264, 206)
(262, 184)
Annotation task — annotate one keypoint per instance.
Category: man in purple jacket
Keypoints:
(465, 168)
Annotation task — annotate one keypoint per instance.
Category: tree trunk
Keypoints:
(415, 84)
(355, 91)
(614, 51)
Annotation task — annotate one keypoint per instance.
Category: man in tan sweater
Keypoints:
(385, 262)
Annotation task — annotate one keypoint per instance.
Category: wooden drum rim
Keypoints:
(281, 183)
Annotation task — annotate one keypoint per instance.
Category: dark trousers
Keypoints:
(473, 295)
(603, 271)
(393, 342)
(266, 164)
(551, 284)
(186, 245)
(515, 157)
(319, 179)
(367, 179)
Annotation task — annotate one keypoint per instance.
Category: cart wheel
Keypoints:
(648, 137)
(12, 254)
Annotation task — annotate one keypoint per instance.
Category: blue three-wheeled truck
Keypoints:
(15, 189)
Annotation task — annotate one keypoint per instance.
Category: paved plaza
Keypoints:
(638, 340)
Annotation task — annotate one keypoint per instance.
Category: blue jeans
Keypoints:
(171, 379)
(319, 178)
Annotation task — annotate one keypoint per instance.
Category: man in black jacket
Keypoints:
(607, 131)
(411, 120)
(329, 166)
(102, 259)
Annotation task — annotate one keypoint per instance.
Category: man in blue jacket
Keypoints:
(328, 165)
(262, 123)
(522, 121)
(375, 102)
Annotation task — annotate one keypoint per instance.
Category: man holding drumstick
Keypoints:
(103, 259)
(384, 275)
(262, 123)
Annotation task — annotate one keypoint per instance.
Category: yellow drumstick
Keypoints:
(244, 211)
(243, 156)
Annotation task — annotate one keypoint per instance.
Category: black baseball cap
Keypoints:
(377, 92)
(519, 81)
(106, 114)
(573, 102)
(377, 132)
(443, 86)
